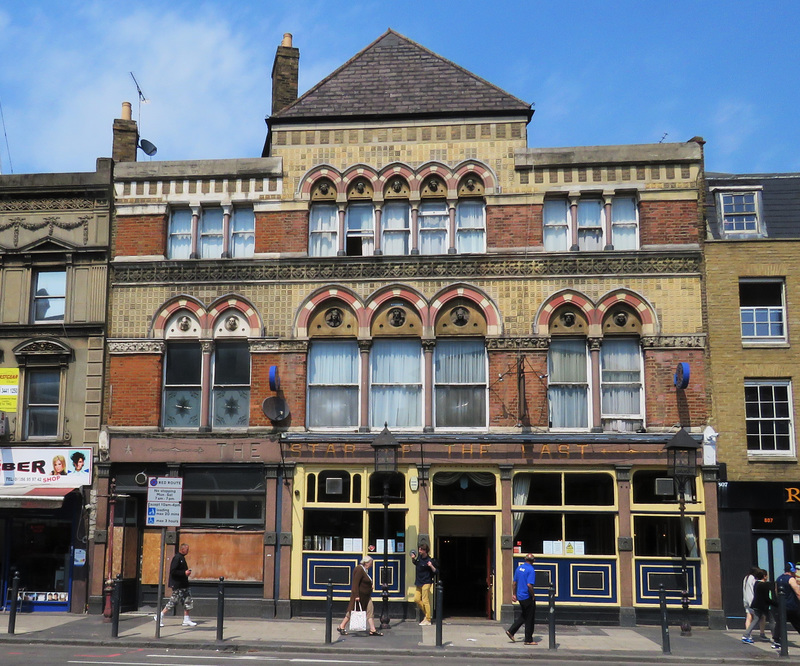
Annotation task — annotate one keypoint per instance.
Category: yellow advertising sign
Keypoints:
(9, 389)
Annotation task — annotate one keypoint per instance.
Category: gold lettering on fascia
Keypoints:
(792, 495)
(457, 451)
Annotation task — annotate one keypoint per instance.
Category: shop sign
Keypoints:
(164, 494)
(46, 467)
(9, 389)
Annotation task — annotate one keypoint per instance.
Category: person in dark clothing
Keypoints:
(524, 580)
(426, 569)
(760, 605)
(179, 573)
(787, 586)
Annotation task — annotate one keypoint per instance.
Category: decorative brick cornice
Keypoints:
(279, 346)
(697, 341)
(65, 203)
(135, 346)
(404, 268)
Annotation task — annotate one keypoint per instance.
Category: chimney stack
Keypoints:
(284, 74)
(126, 136)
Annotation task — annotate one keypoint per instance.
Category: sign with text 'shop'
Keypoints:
(57, 467)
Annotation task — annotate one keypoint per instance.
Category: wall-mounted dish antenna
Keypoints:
(276, 409)
(148, 148)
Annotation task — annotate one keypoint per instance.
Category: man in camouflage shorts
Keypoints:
(179, 573)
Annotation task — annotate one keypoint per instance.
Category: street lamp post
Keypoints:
(682, 465)
(385, 446)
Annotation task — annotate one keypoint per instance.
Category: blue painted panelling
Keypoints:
(318, 568)
(577, 580)
(650, 574)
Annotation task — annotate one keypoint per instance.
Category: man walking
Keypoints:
(788, 586)
(426, 569)
(524, 580)
(179, 573)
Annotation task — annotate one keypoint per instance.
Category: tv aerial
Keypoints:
(146, 146)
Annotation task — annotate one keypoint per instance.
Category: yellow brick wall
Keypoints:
(732, 363)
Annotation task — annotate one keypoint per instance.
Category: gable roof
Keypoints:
(394, 77)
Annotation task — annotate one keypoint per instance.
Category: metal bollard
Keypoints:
(220, 607)
(329, 613)
(782, 628)
(439, 612)
(662, 604)
(12, 616)
(551, 617)
(115, 603)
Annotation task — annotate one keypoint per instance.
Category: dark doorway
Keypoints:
(464, 575)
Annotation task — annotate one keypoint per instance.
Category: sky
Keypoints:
(597, 73)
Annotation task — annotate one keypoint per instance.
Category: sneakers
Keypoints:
(188, 623)
(776, 646)
(510, 636)
(747, 639)
(158, 618)
(764, 637)
(425, 623)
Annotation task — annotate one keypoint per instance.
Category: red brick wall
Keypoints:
(667, 406)
(137, 235)
(513, 226)
(668, 222)
(292, 373)
(504, 395)
(135, 395)
(282, 231)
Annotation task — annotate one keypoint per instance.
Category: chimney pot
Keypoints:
(287, 39)
(126, 111)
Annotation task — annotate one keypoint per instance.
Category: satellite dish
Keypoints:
(275, 409)
(148, 148)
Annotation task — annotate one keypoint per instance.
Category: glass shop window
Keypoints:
(464, 488)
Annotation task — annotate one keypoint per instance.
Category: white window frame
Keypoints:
(484, 386)
(331, 231)
(428, 208)
(209, 237)
(551, 219)
(174, 236)
(366, 234)
(585, 231)
(768, 312)
(768, 406)
(199, 237)
(242, 234)
(587, 385)
(617, 224)
(401, 232)
(633, 421)
(462, 229)
(728, 221)
(355, 384)
(50, 298)
(377, 423)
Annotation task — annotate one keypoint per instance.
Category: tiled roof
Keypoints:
(780, 201)
(395, 76)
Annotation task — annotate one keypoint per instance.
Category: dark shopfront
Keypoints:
(759, 526)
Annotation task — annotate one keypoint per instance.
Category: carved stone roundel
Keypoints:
(334, 317)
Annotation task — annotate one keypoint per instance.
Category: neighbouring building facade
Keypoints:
(400, 257)
(53, 270)
(753, 288)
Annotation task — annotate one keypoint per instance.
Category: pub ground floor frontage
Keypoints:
(759, 526)
(282, 518)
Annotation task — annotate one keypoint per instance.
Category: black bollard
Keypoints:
(115, 603)
(439, 612)
(551, 617)
(220, 607)
(781, 627)
(662, 603)
(12, 616)
(329, 613)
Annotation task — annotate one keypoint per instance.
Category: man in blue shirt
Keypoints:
(524, 579)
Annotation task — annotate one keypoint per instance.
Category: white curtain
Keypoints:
(180, 234)
(690, 532)
(396, 383)
(620, 367)
(211, 233)
(623, 223)
(433, 220)
(460, 378)
(360, 223)
(556, 227)
(243, 227)
(590, 224)
(323, 226)
(470, 227)
(520, 487)
(396, 230)
(568, 388)
(333, 379)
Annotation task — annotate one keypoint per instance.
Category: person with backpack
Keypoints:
(788, 586)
